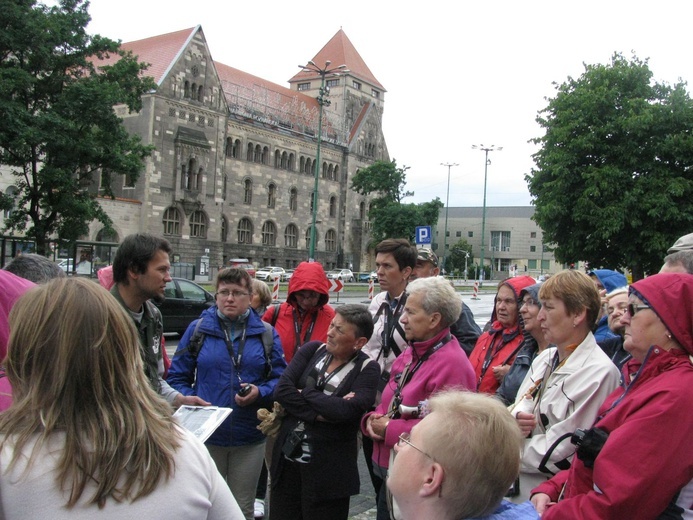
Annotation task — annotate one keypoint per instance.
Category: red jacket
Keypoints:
(312, 325)
(505, 342)
(647, 458)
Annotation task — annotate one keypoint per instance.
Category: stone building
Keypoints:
(232, 173)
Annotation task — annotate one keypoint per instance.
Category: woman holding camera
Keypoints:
(231, 358)
(325, 390)
(567, 383)
(87, 437)
(644, 469)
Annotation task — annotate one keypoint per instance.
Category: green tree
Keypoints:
(457, 255)
(391, 217)
(61, 132)
(613, 181)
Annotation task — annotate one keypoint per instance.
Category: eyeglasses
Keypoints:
(236, 294)
(307, 295)
(530, 301)
(634, 308)
(404, 438)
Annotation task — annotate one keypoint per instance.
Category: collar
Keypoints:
(420, 347)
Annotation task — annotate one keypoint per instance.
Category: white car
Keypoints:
(345, 275)
(269, 273)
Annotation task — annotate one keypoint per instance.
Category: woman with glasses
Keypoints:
(87, 437)
(641, 465)
(566, 384)
(325, 390)
(230, 358)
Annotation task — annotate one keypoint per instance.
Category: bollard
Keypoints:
(275, 289)
(476, 290)
(370, 289)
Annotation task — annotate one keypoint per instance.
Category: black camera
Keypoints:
(245, 390)
(292, 444)
(589, 443)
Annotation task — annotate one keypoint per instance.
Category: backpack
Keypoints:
(198, 338)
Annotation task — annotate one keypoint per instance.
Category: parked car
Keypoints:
(367, 277)
(243, 263)
(185, 301)
(345, 275)
(269, 273)
(287, 275)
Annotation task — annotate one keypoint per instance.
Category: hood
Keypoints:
(12, 288)
(671, 297)
(533, 291)
(610, 279)
(309, 276)
(516, 283)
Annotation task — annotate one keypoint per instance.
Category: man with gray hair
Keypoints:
(678, 262)
(35, 268)
(685, 243)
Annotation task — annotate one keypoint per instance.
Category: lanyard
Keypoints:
(298, 325)
(493, 349)
(236, 360)
(390, 323)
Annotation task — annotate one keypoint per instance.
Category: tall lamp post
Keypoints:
(323, 94)
(485, 149)
(447, 204)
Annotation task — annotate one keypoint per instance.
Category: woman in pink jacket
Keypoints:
(432, 361)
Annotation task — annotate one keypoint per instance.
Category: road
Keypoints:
(363, 504)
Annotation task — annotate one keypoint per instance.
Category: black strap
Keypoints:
(496, 344)
(236, 360)
(298, 325)
(390, 324)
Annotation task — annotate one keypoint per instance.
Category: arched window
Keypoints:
(336, 173)
(171, 222)
(362, 210)
(293, 199)
(189, 174)
(229, 147)
(309, 167)
(317, 241)
(224, 186)
(312, 201)
(257, 157)
(249, 154)
(200, 93)
(292, 162)
(333, 206)
(193, 91)
(236, 149)
(302, 164)
(265, 155)
(245, 231)
(291, 236)
(277, 159)
(331, 240)
(247, 191)
(198, 180)
(269, 233)
(224, 229)
(198, 225)
(330, 172)
(271, 195)
(285, 161)
(186, 90)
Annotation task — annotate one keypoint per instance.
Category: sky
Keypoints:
(457, 74)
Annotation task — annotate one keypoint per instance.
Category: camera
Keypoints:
(414, 412)
(245, 390)
(292, 444)
(589, 443)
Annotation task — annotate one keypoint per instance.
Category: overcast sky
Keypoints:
(456, 73)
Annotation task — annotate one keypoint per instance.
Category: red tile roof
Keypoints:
(340, 51)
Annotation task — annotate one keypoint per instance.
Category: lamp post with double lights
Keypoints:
(323, 94)
(447, 204)
(486, 149)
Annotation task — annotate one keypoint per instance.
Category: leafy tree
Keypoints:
(456, 258)
(60, 131)
(389, 215)
(613, 182)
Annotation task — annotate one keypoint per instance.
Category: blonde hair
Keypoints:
(478, 443)
(75, 367)
(262, 290)
(577, 292)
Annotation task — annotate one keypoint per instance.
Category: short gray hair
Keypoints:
(35, 268)
(683, 257)
(438, 296)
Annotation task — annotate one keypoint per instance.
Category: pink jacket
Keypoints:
(447, 367)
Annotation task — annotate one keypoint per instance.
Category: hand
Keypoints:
(541, 501)
(500, 371)
(371, 430)
(379, 426)
(350, 395)
(190, 400)
(527, 422)
(248, 399)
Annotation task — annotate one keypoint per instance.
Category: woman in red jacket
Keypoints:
(641, 465)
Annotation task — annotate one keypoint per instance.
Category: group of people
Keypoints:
(567, 404)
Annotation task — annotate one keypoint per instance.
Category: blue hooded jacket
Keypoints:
(611, 280)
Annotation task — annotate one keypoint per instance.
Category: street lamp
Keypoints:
(323, 93)
(486, 149)
(447, 204)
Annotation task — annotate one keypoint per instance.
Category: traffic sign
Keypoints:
(336, 285)
(423, 234)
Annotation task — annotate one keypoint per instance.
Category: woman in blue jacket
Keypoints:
(232, 359)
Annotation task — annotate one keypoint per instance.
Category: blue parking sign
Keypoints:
(423, 234)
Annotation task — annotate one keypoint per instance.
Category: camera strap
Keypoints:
(298, 325)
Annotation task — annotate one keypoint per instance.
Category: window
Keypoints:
(308, 235)
(470, 234)
(269, 234)
(531, 264)
(186, 90)
(257, 156)
(224, 229)
(291, 236)
(303, 86)
(229, 147)
(333, 206)
(249, 152)
(532, 249)
(545, 265)
(293, 199)
(362, 210)
(224, 186)
(375, 93)
(331, 240)
(245, 231)
(447, 233)
(198, 225)
(500, 241)
(271, 195)
(533, 234)
(332, 82)
(356, 85)
(171, 222)
(312, 201)
(189, 174)
(236, 150)
(458, 233)
(198, 181)
(247, 191)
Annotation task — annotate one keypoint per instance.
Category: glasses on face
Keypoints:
(404, 438)
(530, 301)
(236, 294)
(306, 295)
(634, 308)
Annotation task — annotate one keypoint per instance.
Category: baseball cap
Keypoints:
(426, 255)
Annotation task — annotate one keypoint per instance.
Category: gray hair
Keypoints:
(437, 296)
(35, 268)
(683, 257)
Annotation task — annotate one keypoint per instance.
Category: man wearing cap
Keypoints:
(465, 328)
(678, 262)
(684, 243)
(606, 281)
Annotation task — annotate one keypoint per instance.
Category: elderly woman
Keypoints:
(86, 436)
(432, 361)
(231, 358)
(567, 383)
(325, 390)
(642, 466)
(261, 298)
